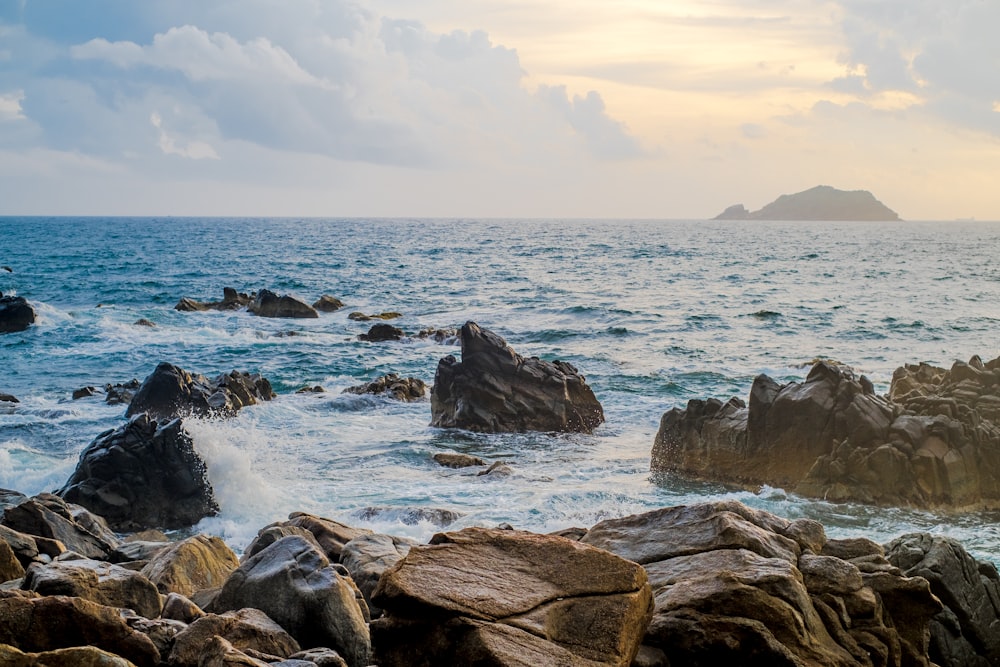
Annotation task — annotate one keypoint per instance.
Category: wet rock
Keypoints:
(8, 398)
(500, 597)
(361, 317)
(85, 392)
(16, 314)
(315, 389)
(328, 304)
(411, 516)
(382, 332)
(497, 470)
(231, 300)
(400, 389)
(170, 392)
(143, 475)
(494, 389)
(197, 563)
(36, 625)
(448, 336)
(295, 584)
(458, 460)
(143, 322)
(97, 581)
(269, 304)
(123, 392)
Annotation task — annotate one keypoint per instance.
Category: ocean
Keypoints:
(652, 312)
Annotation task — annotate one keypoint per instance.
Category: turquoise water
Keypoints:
(652, 312)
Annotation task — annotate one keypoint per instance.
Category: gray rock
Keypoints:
(16, 314)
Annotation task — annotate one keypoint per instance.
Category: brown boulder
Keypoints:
(328, 304)
(242, 629)
(401, 389)
(54, 528)
(77, 656)
(197, 563)
(97, 581)
(494, 389)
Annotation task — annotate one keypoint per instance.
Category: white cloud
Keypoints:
(10, 105)
(195, 150)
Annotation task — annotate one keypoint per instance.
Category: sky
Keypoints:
(495, 108)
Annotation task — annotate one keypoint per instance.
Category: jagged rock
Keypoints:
(25, 547)
(170, 392)
(42, 624)
(504, 597)
(197, 563)
(143, 475)
(494, 389)
(16, 314)
(77, 656)
(401, 389)
(382, 332)
(734, 585)
(97, 581)
(295, 584)
(51, 522)
(328, 304)
(411, 516)
(269, 304)
(123, 392)
(329, 534)
(242, 629)
(270, 534)
(967, 631)
(932, 442)
(458, 460)
(366, 557)
(231, 300)
(361, 317)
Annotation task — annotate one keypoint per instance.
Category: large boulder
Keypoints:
(16, 314)
(97, 581)
(504, 597)
(296, 585)
(243, 629)
(143, 475)
(967, 631)
(57, 622)
(269, 304)
(494, 389)
(170, 391)
(734, 585)
(55, 526)
(77, 656)
(200, 562)
(366, 557)
(934, 441)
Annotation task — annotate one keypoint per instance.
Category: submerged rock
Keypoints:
(382, 332)
(494, 389)
(231, 300)
(16, 314)
(143, 475)
(170, 392)
(269, 304)
(930, 443)
(328, 304)
(401, 389)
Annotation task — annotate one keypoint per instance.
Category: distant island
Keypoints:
(819, 203)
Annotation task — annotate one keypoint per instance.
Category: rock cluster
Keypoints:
(707, 584)
(401, 389)
(934, 441)
(494, 389)
(170, 392)
(16, 314)
(263, 303)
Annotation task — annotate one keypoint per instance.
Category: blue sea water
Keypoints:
(653, 313)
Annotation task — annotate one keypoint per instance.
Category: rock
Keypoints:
(10, 566)
(85, 392)
(315, 389)
(819, 203)
(77, 656)
(16, 314)
(23, 546)
(269, 304)
(361, 317)
(366, 557)
(444, 336)
(143, 475)
(48, 517)
(270, 534)
(928, 444)
(497, 470)
(328, 304)
(123, 392)
(231, 300)
(176, 607)
(401, 389)
(967, 632)
(741, 586)
(197, 563)
(329, 534)
(131, 551)
(494, 389)
(143, 322)
(458, 460)
(243, 629)
(411, 516)
(382, 332)
(321, 657)
(57, 622)
(503, 597)
(8, 398)
(295, 584)
(97, 581)
(216, 651)
(170, 392)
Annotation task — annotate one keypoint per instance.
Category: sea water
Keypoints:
(653, 313)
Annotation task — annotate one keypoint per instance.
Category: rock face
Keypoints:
(494, 389)
(269, 304)
(143, 475)
(501, 597)
(733, 585)
(401, 389)
(16, 314)
(171, 392)
(934, 441)
(819, 203)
